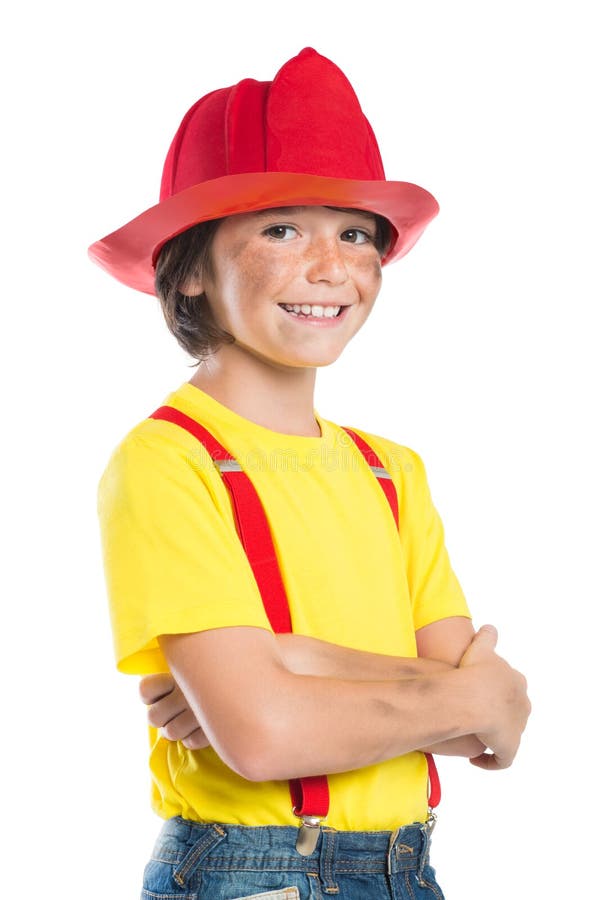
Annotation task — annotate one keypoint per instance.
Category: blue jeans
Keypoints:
(192, 861)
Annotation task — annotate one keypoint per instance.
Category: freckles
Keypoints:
(372, 269)
(370, 276)
(256, 270)
(234, 250)
(239, 262)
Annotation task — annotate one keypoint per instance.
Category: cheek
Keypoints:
(253, 274)
(370, 276)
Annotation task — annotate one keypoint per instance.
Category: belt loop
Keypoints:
(426, 833)
(391, 850)
(327, 861)
(188, 864)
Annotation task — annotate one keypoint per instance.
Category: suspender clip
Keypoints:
(309, 832)
(430, 823)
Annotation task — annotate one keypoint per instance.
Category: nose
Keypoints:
(326, 262)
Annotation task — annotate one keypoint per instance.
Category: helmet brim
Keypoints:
(130, 253)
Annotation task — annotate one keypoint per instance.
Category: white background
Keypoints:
(480, 355)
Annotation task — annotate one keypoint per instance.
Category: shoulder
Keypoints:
(152, 453)
(398, 459)
(406, 468)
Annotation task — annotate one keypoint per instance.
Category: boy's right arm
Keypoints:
(302, 655)
(268, 723)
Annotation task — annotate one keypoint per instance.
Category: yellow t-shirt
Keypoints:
(174, 564)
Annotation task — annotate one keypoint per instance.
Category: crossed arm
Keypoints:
(349, 708)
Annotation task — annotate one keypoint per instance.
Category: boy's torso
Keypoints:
(347, 581)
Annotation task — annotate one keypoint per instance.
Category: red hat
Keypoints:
(300, 140)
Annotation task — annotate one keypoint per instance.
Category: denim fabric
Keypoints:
(191, 861)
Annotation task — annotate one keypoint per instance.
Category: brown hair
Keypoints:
(188, 255)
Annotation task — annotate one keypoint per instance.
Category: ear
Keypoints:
(192, 286)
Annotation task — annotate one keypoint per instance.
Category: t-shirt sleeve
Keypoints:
(434, 588)
(173, 562)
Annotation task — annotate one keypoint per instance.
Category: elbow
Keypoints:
(254, 767)
(261, 753)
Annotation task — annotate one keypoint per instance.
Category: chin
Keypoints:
(315, 362)
(295, 359)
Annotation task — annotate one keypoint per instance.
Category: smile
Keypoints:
(304, 310)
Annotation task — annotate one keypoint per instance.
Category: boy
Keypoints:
(235, 514)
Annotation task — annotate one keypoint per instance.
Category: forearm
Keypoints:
(304, 655)
(348, 725)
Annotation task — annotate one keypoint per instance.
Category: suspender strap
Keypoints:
(250, 520)
(434, 792)
(310, 795)
(387, 485)
(384, 479)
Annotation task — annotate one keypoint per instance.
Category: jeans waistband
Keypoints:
(190, 845)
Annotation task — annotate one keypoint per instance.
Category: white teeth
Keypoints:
(326, 312)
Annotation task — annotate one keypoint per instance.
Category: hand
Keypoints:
(502, 696)
(169, 711)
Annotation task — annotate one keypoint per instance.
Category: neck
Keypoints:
(279, 398)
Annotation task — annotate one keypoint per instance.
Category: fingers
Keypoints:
(163, 711)
(483, 643)
(168, 710)
(181, 727)
(197, 740)
(491, 762)
(153, 687)
(487, 635)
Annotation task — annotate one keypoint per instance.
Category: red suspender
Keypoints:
(387, 485)
(384, 479)
(250, 519)
(309, 796)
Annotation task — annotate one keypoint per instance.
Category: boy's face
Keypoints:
(267, 265)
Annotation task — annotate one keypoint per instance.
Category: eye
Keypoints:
(281, 232)
(356, 236)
